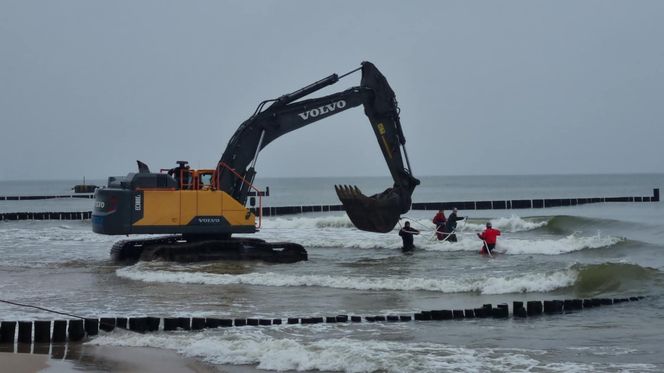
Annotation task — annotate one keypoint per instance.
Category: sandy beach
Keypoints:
(104, 359)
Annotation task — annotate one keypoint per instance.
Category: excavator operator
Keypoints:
(182, 175)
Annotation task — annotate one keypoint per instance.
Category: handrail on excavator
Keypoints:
(259, 193)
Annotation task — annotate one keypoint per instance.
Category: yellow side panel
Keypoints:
(188, 205)
(235, 213)
(179, 207)
(209, 202)
(160, 207)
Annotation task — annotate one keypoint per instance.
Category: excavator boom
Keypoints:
(376, 213)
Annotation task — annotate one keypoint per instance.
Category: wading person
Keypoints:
(489, 236)
(406, 234)
(451, 225)
(439, 221)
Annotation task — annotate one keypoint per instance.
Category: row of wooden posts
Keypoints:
(67, 215)
(53, 196)
(476, 205)
(289, 210)
(76, 330)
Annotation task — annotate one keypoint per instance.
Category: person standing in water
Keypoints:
(439, 220)
(489, 236)
(406, 234)
(451, 224)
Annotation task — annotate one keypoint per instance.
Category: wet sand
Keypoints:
(23, 362)
(104, 359)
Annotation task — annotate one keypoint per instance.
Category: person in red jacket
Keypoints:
(439, 220)
(489, 236)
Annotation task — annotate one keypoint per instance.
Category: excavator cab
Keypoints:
(188, 179)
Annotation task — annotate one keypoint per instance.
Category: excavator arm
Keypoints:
(377, 213)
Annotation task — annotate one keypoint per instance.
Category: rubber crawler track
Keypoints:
(177, 249)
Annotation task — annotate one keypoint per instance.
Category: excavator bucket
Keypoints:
(378, 213)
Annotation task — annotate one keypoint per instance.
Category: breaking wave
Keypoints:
(252, 346)
(564, 245)
(629, 278)
(521, 283)
(515, 246)
(509, 224)
(586, 280)
(324, 232)
(565, 224)
(301, 222)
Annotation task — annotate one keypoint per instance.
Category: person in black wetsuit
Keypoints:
(406, 234)
(451, 225)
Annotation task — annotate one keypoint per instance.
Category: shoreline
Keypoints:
(86, 357)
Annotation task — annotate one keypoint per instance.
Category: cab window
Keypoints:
(205, 181)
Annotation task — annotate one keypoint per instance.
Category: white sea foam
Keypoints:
(251, 346)
(516, 246)
(506, 224)
(509, 224)
(306, 222)
(495, 284)
(338, 354)
(46, 231)
(338, 231)
(564, 245)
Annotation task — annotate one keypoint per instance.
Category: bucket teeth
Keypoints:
(348, 192)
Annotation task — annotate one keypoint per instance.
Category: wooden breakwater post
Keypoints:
(107, 324)
(59, 331)
(42, 331)
(7, 331)
(24, 332)
(76, 330)
(171, 323)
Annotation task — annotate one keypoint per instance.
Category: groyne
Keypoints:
(476, 205)
(66, 215)
(291, 210)
(76, 330)
(530, 203)
(38, 197)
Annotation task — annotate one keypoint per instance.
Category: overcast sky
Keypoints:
(485, 87)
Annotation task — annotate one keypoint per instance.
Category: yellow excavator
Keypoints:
(196, 212)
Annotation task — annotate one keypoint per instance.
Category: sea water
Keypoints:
(597, 250)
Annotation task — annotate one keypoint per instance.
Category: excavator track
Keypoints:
(176, 249)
